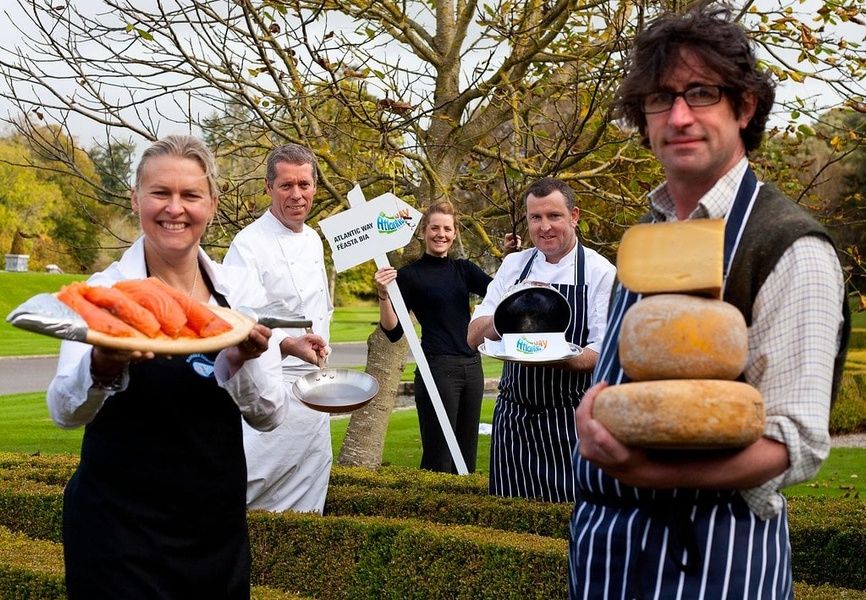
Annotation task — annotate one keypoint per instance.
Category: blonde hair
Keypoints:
(442, 208)
(182, 146)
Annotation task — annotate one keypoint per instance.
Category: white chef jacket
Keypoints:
(600, 275)
(291, 267)
(289, 468)
(256, 387)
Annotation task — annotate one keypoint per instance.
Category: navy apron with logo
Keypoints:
(533, 422)
(157, 507)
(630, 543)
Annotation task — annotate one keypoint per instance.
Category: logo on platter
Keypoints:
(201, 364)
(391, 223)
(525, 346)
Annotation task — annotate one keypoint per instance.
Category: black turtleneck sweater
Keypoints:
(437, 291)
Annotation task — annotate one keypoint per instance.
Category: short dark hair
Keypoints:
(710, 32)
(294, 154)
(546, 186)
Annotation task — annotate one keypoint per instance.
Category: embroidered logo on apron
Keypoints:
(201, 364)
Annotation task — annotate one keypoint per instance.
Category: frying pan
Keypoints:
(335, 390)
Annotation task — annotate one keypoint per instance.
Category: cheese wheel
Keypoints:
(681, 256)
(677, 336)
(682, 413)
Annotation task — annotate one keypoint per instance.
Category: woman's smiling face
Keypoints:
(439, 234)
(174, 203)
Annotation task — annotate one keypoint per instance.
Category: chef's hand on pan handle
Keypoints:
(309, 347)
(107, 364)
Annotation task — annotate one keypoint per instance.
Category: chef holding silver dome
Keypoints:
(533, 423)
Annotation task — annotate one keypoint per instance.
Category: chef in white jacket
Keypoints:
(288, 468)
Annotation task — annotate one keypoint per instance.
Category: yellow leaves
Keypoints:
(807, 38)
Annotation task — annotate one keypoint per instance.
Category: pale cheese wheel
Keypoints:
(678, 336)
(682, 413)
(681, 256)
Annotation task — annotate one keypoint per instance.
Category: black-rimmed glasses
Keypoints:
(699, 95)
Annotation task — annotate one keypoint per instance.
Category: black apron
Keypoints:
(157, 507)
(533, 423)
(628, 542)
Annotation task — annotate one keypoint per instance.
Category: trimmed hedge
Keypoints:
(401, 478)
(391, 554)
(858, 338)
(34, 509)
(804, 591)
(508, 514)
(849, 411)
(34, 569)
(376, 558)
(30, 568)
(828, 537)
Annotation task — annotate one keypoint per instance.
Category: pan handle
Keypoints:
(276, 314)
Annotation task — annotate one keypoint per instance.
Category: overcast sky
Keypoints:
(87, 130)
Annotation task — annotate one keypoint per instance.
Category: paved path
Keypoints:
(33, 374)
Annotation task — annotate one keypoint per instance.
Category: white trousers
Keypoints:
(288, 468)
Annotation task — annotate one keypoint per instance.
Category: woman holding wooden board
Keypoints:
(157, 507)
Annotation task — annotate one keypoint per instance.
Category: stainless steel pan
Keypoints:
(335, 390)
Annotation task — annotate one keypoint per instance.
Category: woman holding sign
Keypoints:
(436, 288)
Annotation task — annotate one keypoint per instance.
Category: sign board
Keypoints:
(368, 230)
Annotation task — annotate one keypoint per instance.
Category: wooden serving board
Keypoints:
(241, 324)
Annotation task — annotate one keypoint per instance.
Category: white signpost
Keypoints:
(368, 230)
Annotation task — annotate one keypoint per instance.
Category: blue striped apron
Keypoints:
(642, 543)
(533, 423)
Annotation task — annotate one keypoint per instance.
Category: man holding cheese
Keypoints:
(681, 523)
(533, 433)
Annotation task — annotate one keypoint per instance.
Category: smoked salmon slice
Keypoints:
(166, 309)
(203, 321)
(124, 308)
(95, 317)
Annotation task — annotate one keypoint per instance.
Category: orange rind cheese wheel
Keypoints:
(678, 336)
(682, 413)
(676, 257)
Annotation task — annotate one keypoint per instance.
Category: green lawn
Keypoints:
(25, 427)
(403, 442)
(15, 288)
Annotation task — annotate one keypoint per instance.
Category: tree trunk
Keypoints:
(365, 436)
(21, 242)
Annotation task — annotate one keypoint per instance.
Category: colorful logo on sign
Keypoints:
(525, 346)
(391, 223)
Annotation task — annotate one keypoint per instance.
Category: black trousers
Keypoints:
(460, 381)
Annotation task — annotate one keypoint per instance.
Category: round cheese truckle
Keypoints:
(682, 413)
(679, 336)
